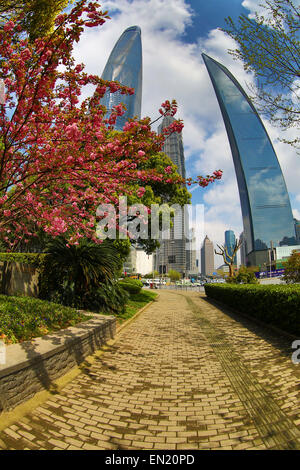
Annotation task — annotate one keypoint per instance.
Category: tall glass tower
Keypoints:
(265, 203)
(125, 66)
(230, 243)
(173, 252)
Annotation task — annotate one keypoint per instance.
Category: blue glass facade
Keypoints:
(230, 243)
(125, 66)
(265, 203)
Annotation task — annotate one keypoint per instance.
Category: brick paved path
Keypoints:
(183, 375)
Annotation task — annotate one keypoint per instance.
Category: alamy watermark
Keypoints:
(296, 354)
(2, 92)
(159, 222)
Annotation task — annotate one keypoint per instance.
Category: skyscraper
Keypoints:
(243, 250)
(297, 229)
(207, 257)
(265, 204)
(172, 252)
(230, 243)
(125, 66)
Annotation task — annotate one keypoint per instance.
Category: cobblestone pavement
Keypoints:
(183, 375)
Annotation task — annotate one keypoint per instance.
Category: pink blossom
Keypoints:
(140, 192)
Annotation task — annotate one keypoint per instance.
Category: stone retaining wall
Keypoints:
(32, 366)
(20, 278)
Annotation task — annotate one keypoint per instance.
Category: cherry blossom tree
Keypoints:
(60, 157)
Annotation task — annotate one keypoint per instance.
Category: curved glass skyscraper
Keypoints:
(125, 66)
(265, 203)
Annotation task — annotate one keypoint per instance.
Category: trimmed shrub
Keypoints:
(132, 286)
(32, 259)
(108, 298)
(277, 305)
(24, 318)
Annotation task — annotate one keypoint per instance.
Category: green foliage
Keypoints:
(269, 46)
(24, 318)
(39, 15)
(277, 305)
(292, 269)
(158, 193)
(32, 259)
(151, 275)
(71, 273)
(108, 298)
(174, 275)
(244, 276)
(133, 286)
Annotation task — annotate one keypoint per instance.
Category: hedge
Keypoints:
(133, 286)
(31, 259)
(277, 305)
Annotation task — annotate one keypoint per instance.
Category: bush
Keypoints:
(108, 298)
(132, 286)
(292, 269)
(244, 276)
(278, 305)
(24, 318)
(72, 274)
(174, 275)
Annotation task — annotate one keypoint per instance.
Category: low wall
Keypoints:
(32, 366)
(20, 278)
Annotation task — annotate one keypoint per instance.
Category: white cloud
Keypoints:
(296, 213)
(254, 6)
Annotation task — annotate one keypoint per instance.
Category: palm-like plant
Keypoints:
(74, 271)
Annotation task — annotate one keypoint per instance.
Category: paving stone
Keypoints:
(184, 374)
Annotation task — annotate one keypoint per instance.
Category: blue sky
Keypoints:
(210, 14)
(174, 34)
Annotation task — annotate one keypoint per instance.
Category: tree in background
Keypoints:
(292, 269)
(244, 276)
(269, 46)
(174, 275)
(38, 15)
(151, 275)
(229, 258)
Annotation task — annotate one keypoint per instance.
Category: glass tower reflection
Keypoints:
(265, 203)
(125, 66)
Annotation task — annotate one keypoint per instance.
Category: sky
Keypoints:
(174, 35)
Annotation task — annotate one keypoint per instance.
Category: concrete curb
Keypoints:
(32, 366)
(11, 416)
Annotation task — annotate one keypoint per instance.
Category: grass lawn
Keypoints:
(135, 303)
(24, 318)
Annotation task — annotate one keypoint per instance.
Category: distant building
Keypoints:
(138, 262)
(297, 229)
(230, 241)
(207, 257)
(191, 254)
(243, 252)
(284, 252)
(172, 253)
